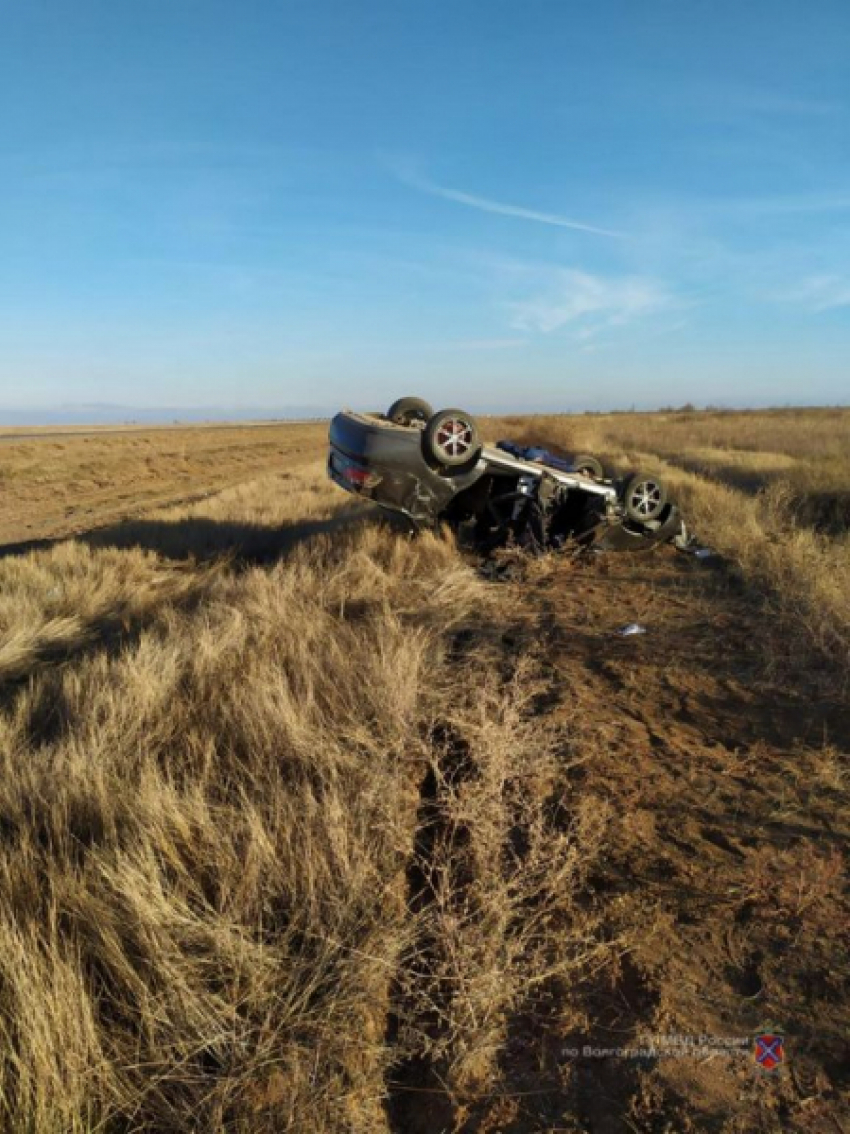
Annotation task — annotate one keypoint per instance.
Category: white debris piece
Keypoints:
(631, 628)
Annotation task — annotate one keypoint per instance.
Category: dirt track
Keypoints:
(723, 874)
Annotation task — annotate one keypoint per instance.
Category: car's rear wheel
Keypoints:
(589, 466)
(644, 497)
(451, 438)
(410, 411)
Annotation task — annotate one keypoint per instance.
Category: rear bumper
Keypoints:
(352, 475)
(385, 463)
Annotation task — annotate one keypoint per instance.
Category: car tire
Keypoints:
(644, 497)
(410, 411)
(451, 438)
(589, 466)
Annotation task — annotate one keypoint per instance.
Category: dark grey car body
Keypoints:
(494, 496)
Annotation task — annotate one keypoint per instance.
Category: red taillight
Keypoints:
(359, 477)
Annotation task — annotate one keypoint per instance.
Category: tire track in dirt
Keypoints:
(720, 894)
(416, 1098)
(530, 1085)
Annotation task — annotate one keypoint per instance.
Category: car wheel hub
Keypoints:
(646, 498)
(454, 437)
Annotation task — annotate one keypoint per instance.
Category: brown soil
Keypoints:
(723, 878)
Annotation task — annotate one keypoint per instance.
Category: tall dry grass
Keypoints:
(802, 433)
(208, 915)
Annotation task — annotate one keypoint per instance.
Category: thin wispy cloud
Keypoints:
(589, 304)
(821, 293)
(500, 208)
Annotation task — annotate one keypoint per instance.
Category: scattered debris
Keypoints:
(688, 543)
(630, 629)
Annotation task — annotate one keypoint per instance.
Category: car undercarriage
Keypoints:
(433, 468)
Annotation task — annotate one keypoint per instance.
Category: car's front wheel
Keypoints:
(451, 438)
(410, 411)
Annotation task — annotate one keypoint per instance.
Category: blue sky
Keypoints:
(541, 204)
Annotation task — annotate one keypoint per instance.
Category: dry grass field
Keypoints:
(309, 826)
(64, 481)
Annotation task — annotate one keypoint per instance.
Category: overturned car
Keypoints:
(433, 468)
